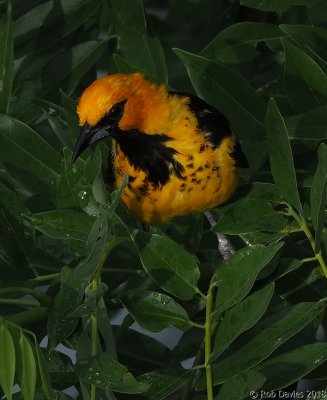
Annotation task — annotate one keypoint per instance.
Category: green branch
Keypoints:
(304, 227)
(207, 342)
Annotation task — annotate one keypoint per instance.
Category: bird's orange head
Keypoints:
(117, 104)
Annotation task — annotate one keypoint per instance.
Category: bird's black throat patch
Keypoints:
(150, 154)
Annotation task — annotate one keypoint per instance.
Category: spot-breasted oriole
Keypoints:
(179, 152)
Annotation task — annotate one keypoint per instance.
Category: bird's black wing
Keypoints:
(214, 125)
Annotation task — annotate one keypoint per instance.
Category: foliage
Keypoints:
(70, 254)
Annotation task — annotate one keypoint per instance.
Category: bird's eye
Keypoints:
(116, 111)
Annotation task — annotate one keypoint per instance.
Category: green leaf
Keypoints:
(62, 224)
(241, 317)
(164, 382)
(69, 106)
(305, 81)
(63, 71)
(172, 267)
(136, 45)
(7, 359)
(6, 59)
(142, 352)
(26, 368)
(104, 372)
(74, 190)
(277, 5)
(155, 311)
(44, 373)
(286, 368)
(238, 43)
(226, 90)
(17, 241)
(96, 244)
(308, 126)
(311, 39)
(61, 370)
(45, 24)
(23, 147)
(281, 158)
(250, 215)
(55, 116)
(318, 195)
(268, 336)
(239, 386)
(236, 276)
(61, 322)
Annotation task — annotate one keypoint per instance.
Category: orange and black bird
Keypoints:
(178, 151)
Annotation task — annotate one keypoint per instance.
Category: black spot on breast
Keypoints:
(202, 147)
(191, 165)
(150, 154)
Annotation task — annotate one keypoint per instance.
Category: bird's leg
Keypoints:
(225, 247)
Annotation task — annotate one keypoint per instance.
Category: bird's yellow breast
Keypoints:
(209, 177)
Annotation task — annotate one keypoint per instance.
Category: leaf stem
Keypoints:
(304, 227)
(196, 325)
(94, 318)
(19, 303)
(44, 278)
(123, 271)
(42, 298)
(207, 342)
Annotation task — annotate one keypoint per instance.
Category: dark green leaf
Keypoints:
(26, 368)
(155, 311)
(236, 276)
(250, 215)
(104, 372)
(286, 368)
(226, 90)
(164, 382)
(172, 267)
(238, 43)
(6, 59)
(44, 373)
(309, 126)
(142, 352)
(309, 38)
(17, 241)
(96, 244)
(69, 106)
(241, 317)
(318, 195)
(62, 224)
(274, 331)
(47, 23)
(239, 386)
(136, 45)
(55, 116)
(63, 71)
(7, 359)
(61, 322)
(73, 189)
(305, 81)
(276, 5)
(61, 370)
(23, 147)
(281, 158)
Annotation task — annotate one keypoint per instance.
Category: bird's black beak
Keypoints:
(88, 136)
